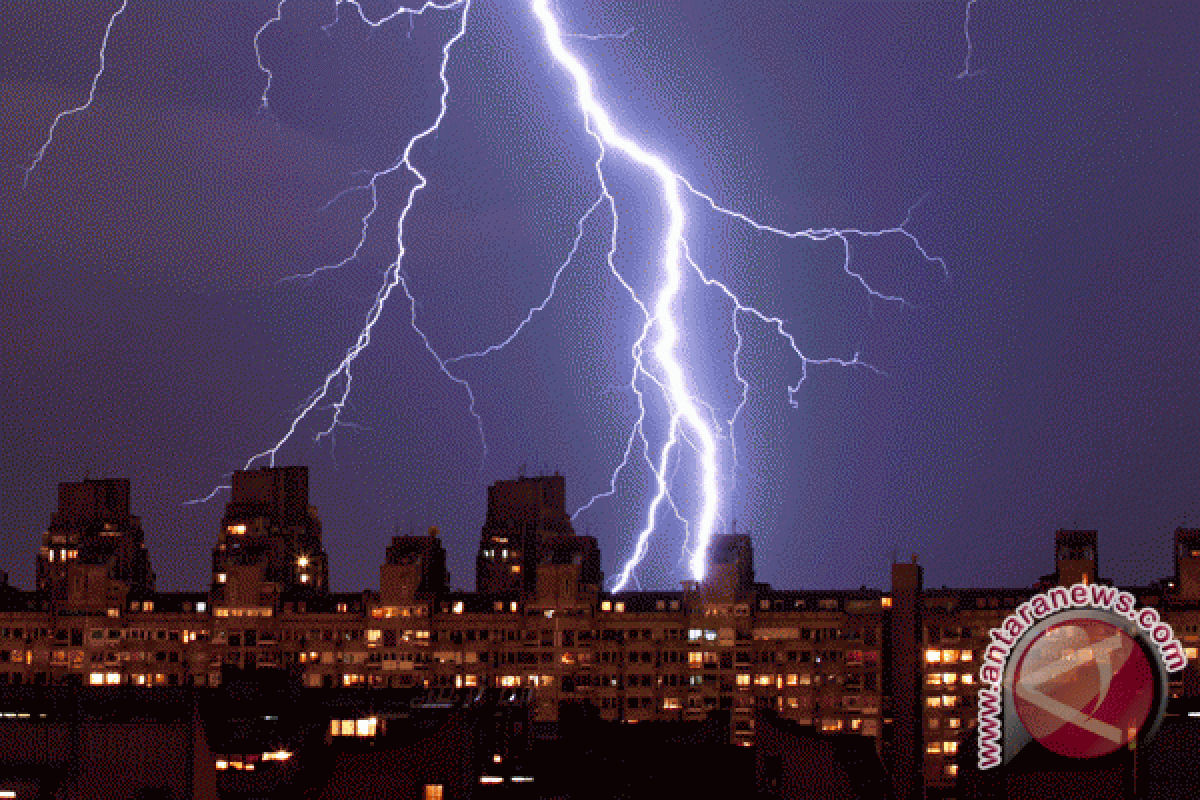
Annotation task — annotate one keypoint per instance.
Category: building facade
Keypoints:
(897, 666)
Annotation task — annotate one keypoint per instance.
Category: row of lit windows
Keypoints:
(947, 747)
(934, 656)
(364, 727)
(948, 678)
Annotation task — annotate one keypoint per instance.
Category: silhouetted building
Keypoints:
(270, 541)
(93, 553)
(521, 516)
(1075, 556)
(414, 571)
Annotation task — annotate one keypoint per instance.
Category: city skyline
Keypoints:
(1047, 384)
(78, 503)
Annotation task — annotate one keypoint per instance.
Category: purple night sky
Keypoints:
(1050, 382)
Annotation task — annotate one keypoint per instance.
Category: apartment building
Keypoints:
(898, 666)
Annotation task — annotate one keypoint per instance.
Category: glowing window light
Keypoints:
(491, 779)
(112, 677)
(96, 678)
(933, 656)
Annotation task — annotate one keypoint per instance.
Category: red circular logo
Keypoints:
(1083, 688)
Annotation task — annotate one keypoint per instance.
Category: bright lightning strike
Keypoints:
(685, 417)
(661, 333)
(41, 153)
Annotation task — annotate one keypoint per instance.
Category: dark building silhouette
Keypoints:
(93, 552)
(527, 524)
(414, 570)
(270, 541)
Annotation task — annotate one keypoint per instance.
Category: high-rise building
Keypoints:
(414, 570)
(270, 540)
(527, 524)
(93, 552)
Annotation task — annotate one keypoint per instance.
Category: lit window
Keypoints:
(342, 608)
(695, 658)
(743, 679)
(949, 701)
(949, 655)
(933, 701)
(434, 791)
(222, 764)
(469, 680)
(950, 747)
(965, 655)
(933, 679)
(606, 605)
(302, 562)
(148, 606)
(220, 577)
(96, 678)
(112, 677)
(512, 607)
(952, 770)
(619, 607)
(458, 607)
(762, 680)
(1192, 653)
(933, 747)
(237, 530)
(886, 602)
(516, 569)
(793, 702)
(855, 724)
(491, 779)
(373, 636)
(364, 727)
(950, 677)
(953, 722)
(201, 607)
(933, 656)
(792, 679)
(670, 703)
(968, 677)
(304, 578)
(828, 725)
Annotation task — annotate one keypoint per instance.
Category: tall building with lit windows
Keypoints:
(93, 550)
(527, 523)
(270, 541)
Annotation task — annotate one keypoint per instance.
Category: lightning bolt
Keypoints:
(41, 153)
(966, 70)
(686, 422)
(655, 362)
(334, 391)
